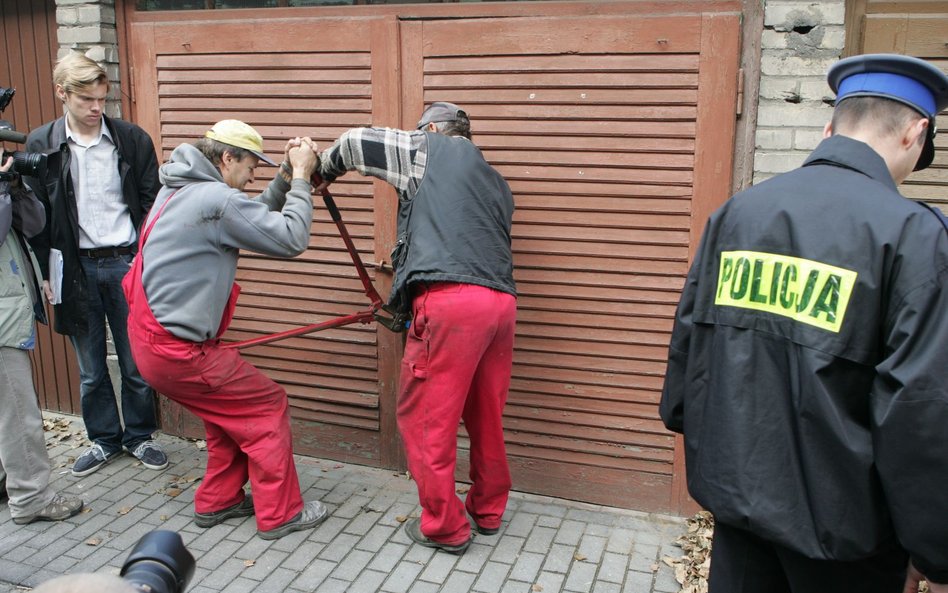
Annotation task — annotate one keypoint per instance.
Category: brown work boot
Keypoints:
(58, 509)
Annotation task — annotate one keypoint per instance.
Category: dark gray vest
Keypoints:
(457, 226)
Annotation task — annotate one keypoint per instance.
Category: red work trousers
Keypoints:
(457, 362)
(245, 416)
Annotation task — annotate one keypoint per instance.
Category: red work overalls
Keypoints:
(245, 413)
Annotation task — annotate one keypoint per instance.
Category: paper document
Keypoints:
(56, 275)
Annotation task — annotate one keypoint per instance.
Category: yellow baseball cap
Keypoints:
(237, 133)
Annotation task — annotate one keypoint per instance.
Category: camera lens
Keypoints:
(159, 563)
(31, 164)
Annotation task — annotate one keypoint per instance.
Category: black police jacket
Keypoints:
(809, 361)
(138, 170)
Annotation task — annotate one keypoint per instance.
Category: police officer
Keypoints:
(807, 367)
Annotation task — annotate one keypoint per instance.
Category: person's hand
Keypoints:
(7, 164)
(291, 143)
(47, 291)
(913, 577)
(303, 158)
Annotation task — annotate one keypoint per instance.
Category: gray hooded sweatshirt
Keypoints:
(190, 258)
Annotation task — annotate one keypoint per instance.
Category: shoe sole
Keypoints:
(289, 528)
(205, 521)
(25, 521)
(93, 469)
(429, 543)
(152, 466)
(485, 530)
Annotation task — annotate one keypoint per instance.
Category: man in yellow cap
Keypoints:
(807, 367)
(182, 294)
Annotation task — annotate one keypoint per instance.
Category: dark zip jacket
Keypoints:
(456, 228)
(138, 169)
(809, 362)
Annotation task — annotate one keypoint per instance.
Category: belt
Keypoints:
(101, 252)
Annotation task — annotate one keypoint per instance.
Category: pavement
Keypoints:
(545, 544)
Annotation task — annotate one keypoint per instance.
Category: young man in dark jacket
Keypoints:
(454, 272)
(807, 367)
(102, 177)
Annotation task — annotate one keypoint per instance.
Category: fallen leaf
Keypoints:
(536, 587)
(463, 489)
(124, 510)
(579, 556)
(93, 541)
(201, 445)
(163, 517)
(172, 492)
(401, 518)
(249, 563)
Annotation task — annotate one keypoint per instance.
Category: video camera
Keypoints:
(31, 164)
(159, 563)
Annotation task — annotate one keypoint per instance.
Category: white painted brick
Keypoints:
(834, 38)
(778, 88)
(97, 14)
(67, 16)
(778, 162)
(789, 14)
(807, 139)
(770, 139)
(85, 35)
(770, 39)
(815, 90)
(761, 177)
(773, 64)
(782, 114)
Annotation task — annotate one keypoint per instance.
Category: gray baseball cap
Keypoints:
(440, 111)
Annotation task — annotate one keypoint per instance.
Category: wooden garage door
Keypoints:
(261, 73)
(616, 135)
(606, 129)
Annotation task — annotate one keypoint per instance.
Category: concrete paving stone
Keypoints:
(39, 577)
(352, 507)
(368, 580)
(516, 587)
(570, 532)
(209, 537)
(55, 533)
(417, 587)
(606, 587)
(580, 577)
(438, 568)
(401, 579)
(551, 582)
(559, 558)
(14, 572)
(229, 570)
(400, 510)
(491, 577)
(341, 493)
(302, 555)
(21, 553)
(644, 556)
(254, 548)
(507, 549)
(620, 541)
(598, 530)
(61, 565)
(521, 524)
(203, 589)
(459, 581)
(90, 524)
(97, 559)
(264, 564)
(390, 555)
(314, 575)
(592, 516)
(276, 581)
(291, 542)
(245, 531)
(665, 582)
(541, 506)
(202, 576)
(218, 554)
(592, 547)
(375, 538)
(334, 586)
(337, 549)
(549, 521)
(350, 566)
(362, 522)
(613, 567)
(527, 566)
(328, 529)
(638, 582)
(474, 558)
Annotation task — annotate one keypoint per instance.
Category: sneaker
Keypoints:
(484, 530)
(313, 513)
(150, 454)
(243, 508)
(58, 509)
(413, 529)
(92, 459)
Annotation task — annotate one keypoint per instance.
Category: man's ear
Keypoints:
(432, 127)
(827, 130)
(916, 133)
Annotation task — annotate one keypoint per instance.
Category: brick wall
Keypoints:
(89, 26)
(800, 41)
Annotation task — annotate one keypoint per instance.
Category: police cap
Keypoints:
(905, 79)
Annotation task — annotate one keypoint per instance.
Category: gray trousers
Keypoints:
(23, 457)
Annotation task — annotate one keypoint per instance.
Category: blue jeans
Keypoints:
(100, 411)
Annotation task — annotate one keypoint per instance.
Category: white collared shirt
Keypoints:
(104, 218)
